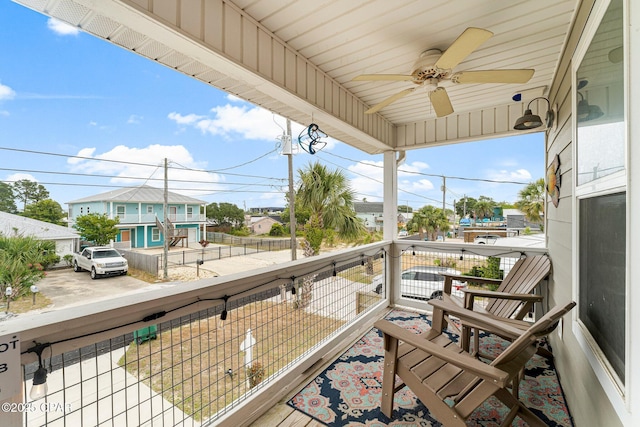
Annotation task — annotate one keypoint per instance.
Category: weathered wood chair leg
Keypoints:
(389, 375)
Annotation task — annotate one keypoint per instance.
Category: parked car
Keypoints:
(403, 233)
(100, 261)
(422, 282)
(488, 239)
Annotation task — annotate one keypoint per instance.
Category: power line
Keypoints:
(495, 181)
(20, 150)
(228, 168)
(125, 177)
(381, 182)
(204, 191)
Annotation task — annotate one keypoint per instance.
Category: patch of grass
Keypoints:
(25, 304)
(143, 275)
(188, 364)
(359, 273)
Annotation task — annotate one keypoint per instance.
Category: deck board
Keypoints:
(282, 415)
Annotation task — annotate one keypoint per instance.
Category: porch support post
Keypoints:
(390, 217)
(390, 193)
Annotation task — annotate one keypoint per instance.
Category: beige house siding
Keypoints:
(578, 379)
(262, 226)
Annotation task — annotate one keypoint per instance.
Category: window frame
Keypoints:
(124, 211)
(615, 389)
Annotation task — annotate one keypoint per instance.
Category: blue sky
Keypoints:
(68, 93)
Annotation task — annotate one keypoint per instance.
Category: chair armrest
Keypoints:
(461, 360)
(479, 319)
(463, 278)
(501, 295)
(471, 294)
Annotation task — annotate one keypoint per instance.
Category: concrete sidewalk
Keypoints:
(238, 264)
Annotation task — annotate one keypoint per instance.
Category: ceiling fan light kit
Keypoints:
(434, 66)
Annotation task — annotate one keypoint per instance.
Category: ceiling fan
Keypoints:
(433, 66)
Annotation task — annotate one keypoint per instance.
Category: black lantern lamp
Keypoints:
(532, 121)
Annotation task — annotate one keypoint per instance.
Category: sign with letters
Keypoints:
(10, 376)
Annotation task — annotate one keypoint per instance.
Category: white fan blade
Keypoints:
(382, 77)
(389, 100)
(441, 102)
(462, 47)
(493, 76)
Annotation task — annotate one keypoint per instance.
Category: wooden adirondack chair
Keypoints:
(437, 369)
(510, 302)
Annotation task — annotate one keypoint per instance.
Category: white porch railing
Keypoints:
(151, 218)
(164, 357)
(468, 259)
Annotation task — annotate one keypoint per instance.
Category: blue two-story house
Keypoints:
(141, 214)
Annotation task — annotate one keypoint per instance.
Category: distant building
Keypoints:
(267, 210)
(141, 214)
(261, 224)
(67, 240)
(370, 213)
(517, 220)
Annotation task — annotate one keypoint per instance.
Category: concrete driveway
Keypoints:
(66, 288)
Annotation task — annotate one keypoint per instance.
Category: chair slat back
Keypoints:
(545, 325)
(523, 277)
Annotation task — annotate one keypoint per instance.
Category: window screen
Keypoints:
(602, 274)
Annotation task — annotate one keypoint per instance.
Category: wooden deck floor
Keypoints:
(283, 415)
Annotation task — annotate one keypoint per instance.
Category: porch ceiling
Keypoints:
(297, 58)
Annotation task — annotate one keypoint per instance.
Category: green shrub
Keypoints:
(277, 230)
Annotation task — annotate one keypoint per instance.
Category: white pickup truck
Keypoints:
(100, 261)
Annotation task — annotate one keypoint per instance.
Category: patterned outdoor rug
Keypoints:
(348, 391)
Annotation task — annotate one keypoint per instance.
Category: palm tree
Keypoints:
(428, 219)
(531, 200)
(483, 208)
(327, 195)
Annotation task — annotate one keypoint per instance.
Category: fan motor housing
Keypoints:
(424, 68)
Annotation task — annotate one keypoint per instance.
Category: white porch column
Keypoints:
(390, 230)
(390, 192)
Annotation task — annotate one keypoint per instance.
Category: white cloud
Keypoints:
(248, 122)
(127, 165)
(419, 185)
(6, 93)
(189, 119)
(368, 178)
(62, 28)
(85, 152)
(18, 176)
(134, 119)
(510, 175)
(4, 113)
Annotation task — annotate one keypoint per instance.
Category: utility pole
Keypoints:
(444, 194)
(464, 207)
(165, 213)
(292, 195)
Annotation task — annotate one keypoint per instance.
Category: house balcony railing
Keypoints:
(151, 218)
(167, 357)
